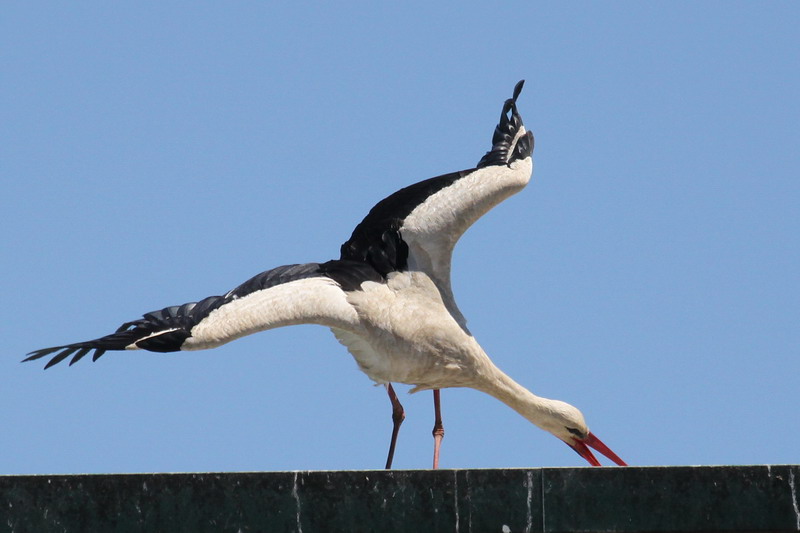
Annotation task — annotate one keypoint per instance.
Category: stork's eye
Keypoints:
(578, 433)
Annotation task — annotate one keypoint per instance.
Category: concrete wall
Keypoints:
(729, 498)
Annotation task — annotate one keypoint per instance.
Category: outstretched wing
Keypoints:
(310, 293)
(430, 216)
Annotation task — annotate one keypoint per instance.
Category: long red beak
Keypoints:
(582, 447)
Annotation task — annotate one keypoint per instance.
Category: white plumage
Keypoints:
(432, 229)
(318, 300)
(388, 298)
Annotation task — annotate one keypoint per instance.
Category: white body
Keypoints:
(388, 299)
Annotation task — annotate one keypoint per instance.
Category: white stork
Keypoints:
(387, 298)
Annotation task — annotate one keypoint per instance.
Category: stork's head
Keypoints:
(567, 423)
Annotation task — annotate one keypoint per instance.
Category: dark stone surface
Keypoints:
(736, 498)
(731, 498)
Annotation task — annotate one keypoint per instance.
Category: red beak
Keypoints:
(582, 447)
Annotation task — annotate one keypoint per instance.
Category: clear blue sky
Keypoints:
(157, 153)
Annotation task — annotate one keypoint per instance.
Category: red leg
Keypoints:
(398, 415)
(438, 428)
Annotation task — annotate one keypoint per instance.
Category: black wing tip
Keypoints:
(61, 353)
(38, 354)
(503, 149)
(517, 90)
(511, 103)
(158, 331)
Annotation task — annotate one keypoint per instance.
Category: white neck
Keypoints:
(538, 410)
